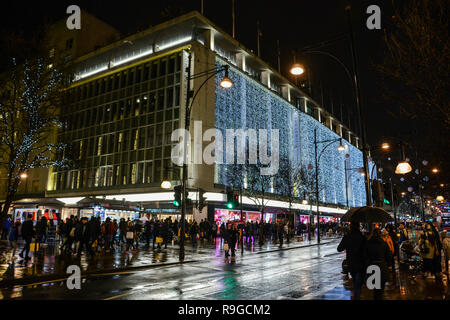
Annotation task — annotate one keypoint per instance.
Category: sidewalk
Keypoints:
(50, 266)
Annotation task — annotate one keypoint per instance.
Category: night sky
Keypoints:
(295, 24)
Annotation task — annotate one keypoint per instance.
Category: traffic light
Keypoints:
(236, 200)
(201, 199)
(177, 201)
(230, 198)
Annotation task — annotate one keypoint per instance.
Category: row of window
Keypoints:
(143, 172)
(126, 109)
(160, 68)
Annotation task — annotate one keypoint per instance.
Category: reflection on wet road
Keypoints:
(304, 273)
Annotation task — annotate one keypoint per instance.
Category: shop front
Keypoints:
(103, 209)
(234, 216)
(50, 209)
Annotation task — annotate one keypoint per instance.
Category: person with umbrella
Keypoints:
(354, 243)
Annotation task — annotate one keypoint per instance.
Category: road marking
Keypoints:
(120, 295)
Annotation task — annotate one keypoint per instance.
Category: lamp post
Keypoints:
(317, 160)
(190, 97)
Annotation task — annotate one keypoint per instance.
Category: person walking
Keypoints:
(429, 250)
(70, 235)
(147, 232)
(82, 236)
(193, 232)
(122, 231)
(226, 234)
(377, 252)
(6, 226)
(13, 237)
(354, 243)
(131, 235)
(280, 231)
(387, 238)
(28, 232)
(233, 236)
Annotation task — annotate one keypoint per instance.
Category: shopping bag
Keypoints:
(159, 240)
(130, 235)
(34, 246)
(225, 247)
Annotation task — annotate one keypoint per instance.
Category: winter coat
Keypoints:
(429, 247)
(354, 244)
(13, 234)
(7, 224)
(82, 232)
(389, 242)
(377, 252)
(27, 229)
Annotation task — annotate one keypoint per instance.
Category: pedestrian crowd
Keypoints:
(380, 247)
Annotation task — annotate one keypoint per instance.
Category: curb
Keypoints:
(60, 277)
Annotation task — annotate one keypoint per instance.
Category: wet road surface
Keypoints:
(312, 272)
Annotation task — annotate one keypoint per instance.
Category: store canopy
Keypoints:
(108, 204)
(38, 202)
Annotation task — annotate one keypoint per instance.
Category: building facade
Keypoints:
(127, 98)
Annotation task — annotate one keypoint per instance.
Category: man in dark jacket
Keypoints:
(122, 230)
(377, 252)
(354, 243)
(233, 236)
(27, 234)
(67, 245)
(82, 235)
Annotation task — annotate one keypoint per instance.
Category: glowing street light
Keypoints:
(440, 198)
(435, 170)
(226, 81)
(385, 146)
(166, 184)
(403, 167)
(297, 69)
(24, 175)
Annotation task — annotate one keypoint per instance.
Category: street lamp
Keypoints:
(440, 198)
(435, 170)
(297, 69)
(385, 146)
(23, 176)
(403, 167)
(317, 160)
(190, 97)
(166, 184)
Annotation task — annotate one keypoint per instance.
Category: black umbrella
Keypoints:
(367, 215)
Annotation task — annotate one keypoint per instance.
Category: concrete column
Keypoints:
(240, 60)
(265, 78)
(209, 39)
(286, 92)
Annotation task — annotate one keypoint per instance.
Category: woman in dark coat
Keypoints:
(377, 252)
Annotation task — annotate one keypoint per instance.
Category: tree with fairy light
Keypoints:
(30, 94)
(304, 181)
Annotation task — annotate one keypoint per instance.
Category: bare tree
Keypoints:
(416, 68)
(304, 180)
(30, 94)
